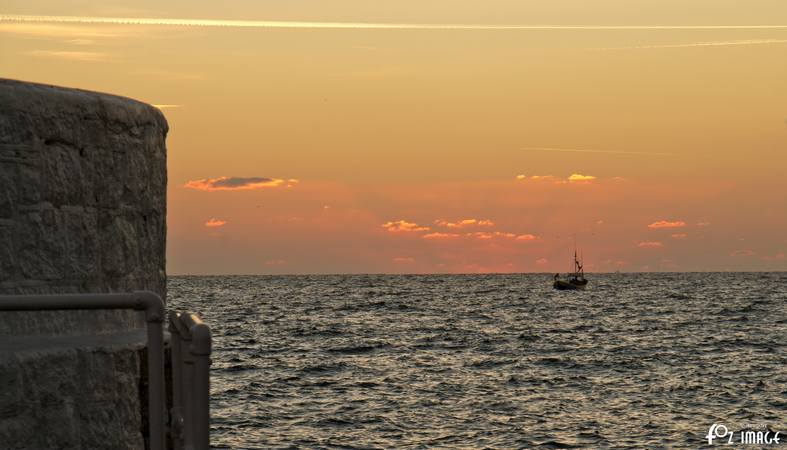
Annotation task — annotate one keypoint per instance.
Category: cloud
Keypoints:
(53, 31)
(667, 224)
(650, 244)
(526, 237)
(578, 177)
(441, 235)
(490, 235)
(403, 259)
(542, 261)
(354, 25)
(465, 223)
(70, 56)
(777, 257)
(159, 106)
(398, 226)
(215, 223)
(573, 178)
(679, 236)
(703, 44)
(237, 183)
(703, 224)
(745, 252)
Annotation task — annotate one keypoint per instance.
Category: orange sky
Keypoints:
(470, 137)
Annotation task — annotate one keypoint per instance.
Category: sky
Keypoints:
(444, 136)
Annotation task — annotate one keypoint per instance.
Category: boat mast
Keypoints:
(579, 269)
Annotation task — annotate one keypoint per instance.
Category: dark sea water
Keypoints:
(491, 361)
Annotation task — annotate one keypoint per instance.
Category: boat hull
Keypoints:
(569, 286)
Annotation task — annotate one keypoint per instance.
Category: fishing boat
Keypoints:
(572, 281)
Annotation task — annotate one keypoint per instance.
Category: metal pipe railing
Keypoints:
(146, 301)
(191, 348)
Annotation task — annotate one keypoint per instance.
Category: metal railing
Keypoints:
(190, 413)
(146, 301)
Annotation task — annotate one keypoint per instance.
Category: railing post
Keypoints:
(176, 414)
(154, 316)
(201, 349)
(156, 403)
(187, 377)
(191, 350)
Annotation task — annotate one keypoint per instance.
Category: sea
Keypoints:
(501, 361)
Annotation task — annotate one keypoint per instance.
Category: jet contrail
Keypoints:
(702, 44)
(582, 150)
(355, 25)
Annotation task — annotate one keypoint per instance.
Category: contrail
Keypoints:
(355, 25)
(703, 44)
(582, 150)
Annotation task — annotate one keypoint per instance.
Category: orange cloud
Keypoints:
(573, 178)
(666, 224)
(215, 223)
(403, 259)
(506, 235)
(490, 235)
(465, 223)
(237, 183)
(526, 237)
(777, 257)
(441, 236)
(746, 252)
(403, 226)
(72, 56)
(679, 235)
(578, 177)
(542, 261)
(540, 177)
(650, 244)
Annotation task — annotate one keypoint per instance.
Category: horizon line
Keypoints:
(232, 23)
(550, 273)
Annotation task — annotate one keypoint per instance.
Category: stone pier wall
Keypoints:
(82, 209)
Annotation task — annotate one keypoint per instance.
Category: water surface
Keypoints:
(490, 361)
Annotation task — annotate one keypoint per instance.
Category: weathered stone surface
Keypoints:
(71, 392)
(82, 209)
